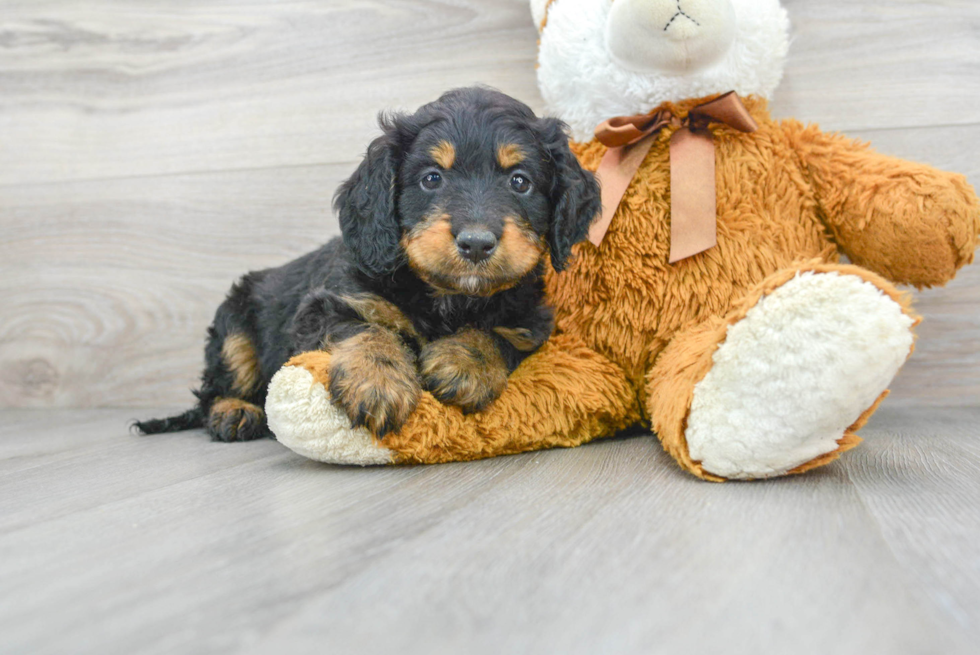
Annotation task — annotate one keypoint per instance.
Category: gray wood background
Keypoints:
(151, 152)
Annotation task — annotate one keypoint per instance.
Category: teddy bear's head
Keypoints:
(604, 58)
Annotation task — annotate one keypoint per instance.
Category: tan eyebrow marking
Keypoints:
(444, 154)
(240, 357)
(509, 154)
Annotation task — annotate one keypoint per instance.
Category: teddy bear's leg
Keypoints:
(563, 395)
(782, 382)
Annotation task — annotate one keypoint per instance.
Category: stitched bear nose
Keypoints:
(476, 245)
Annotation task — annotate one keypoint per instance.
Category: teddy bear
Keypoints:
(710, 304)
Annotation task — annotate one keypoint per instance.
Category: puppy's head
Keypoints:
(471, 192)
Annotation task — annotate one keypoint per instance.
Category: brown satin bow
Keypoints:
(693, 221)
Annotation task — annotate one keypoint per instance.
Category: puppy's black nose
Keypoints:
(476, 245)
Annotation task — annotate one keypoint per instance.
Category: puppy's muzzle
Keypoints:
(476, 245)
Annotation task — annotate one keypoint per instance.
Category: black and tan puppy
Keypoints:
(436, 284)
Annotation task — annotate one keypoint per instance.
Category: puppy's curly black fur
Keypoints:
(436, 283)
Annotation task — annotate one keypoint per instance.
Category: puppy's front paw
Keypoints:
(465, 369)
(373, 379)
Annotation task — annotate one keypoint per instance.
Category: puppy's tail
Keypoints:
(192, 418)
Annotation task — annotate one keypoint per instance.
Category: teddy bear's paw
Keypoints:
(803, 365)
(303, 418)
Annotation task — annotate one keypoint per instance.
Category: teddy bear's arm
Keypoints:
(909, 222)
(563, 395)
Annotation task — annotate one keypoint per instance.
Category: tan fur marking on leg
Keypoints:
(240, 357)
(509, 154)
(225, 405)
(378, 311)
(444, 154)
(465, 369)
(373, 378)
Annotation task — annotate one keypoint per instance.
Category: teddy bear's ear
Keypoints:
(367, 203)
(575, 199)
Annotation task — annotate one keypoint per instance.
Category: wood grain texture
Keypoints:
(112, 88)
(882, 64)
(152, 153)
(919, 477)
(173, 544)
(103, 305)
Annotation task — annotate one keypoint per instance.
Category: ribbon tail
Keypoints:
(727, 109)
(693, 223)
(615, 172)
(693, 219)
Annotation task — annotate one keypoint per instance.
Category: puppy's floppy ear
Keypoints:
(367, 205)
(575, 199)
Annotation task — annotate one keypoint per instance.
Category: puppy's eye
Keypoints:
(520, 183)
(431, 181)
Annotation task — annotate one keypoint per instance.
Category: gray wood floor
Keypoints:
(172, 544)
(151, 152)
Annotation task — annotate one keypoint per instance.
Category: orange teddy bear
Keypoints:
(759, 356)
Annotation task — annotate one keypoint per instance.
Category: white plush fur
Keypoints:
(538, 11)
(793, 374)
(304, 419)
(584, 84)
(652, 36)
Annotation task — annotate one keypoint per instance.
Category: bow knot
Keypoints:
(621, 131)
(693, 219)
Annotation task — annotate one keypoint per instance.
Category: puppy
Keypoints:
(435, 285)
